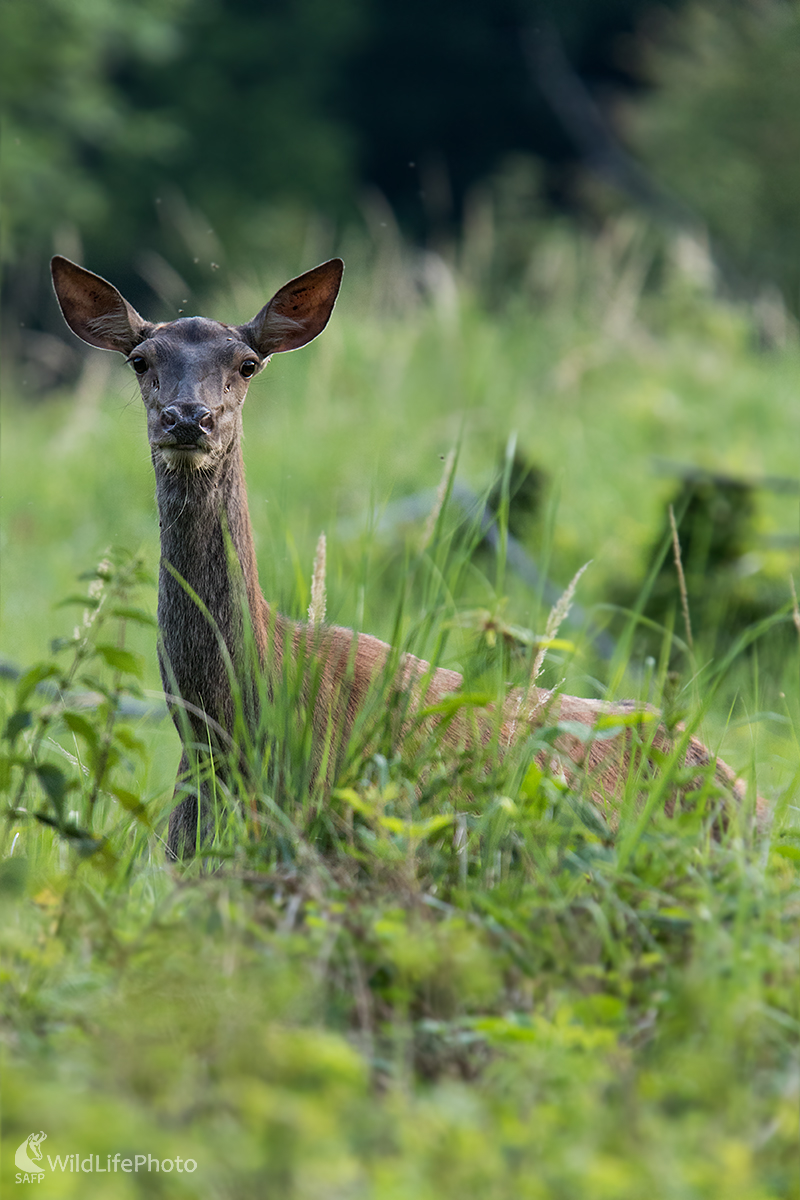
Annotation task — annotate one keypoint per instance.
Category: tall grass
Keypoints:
(451, 974)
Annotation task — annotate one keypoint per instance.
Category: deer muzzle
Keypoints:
(183, 436)
(186, 424)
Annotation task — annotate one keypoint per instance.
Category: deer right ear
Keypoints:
(95, 310)
(297, 312)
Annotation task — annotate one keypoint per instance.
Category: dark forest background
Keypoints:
(160, 139)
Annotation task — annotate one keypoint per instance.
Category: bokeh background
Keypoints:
(575, 225)
(167, 142)
(572, 244)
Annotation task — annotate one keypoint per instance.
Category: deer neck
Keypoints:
(207, 555)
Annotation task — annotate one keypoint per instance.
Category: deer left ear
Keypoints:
(95, 310)
(297, 313)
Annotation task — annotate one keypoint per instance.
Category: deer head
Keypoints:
(193, 373)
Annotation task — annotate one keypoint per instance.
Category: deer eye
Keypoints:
(139, 364)
(248, 368)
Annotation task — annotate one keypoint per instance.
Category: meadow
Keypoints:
(441, 980)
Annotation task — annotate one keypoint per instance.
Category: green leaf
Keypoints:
(95, 684)
(19, 720)
(7, 763)
(506, 1029)
(84, 842)
(120, 660)
(55, 784)
(615, 720)
(82, 727)
(129, 613)
(600, 1009)
(62, 643)
(418, 829)
(532, 782)
(383, 848)
(450, 705)
(790, 852)
(30, 680)
(131, 803)
(351, 797)
(13, 877)
(555, 644)
(129, 740)
(79, 601)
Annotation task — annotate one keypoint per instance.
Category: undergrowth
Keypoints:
(448, 974)
(453, 976)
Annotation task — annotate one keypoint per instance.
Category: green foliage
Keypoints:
(251, 87)
(171, 128)
(63, 113)
(719, 130)
(464, 992)
(445, 982)
(79, 703)
(457, 976)
(162, 142)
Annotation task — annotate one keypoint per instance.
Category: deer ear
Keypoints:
(296, 313)
(95, 310)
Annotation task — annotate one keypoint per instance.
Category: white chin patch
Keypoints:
(190, 459)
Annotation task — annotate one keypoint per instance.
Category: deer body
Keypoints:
(193, 374)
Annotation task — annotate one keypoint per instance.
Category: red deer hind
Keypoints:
(194, 374)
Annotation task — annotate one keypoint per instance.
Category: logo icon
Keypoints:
(30, 1147)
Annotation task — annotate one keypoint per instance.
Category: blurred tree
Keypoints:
(64, 115)
(63, 119)
(156, 137)
(235, 104)
(253, 88)
(150, 138)
(441, 94)
(720, 127)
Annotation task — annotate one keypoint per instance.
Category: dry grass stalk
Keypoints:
(526, 703)
(316, 609)
(558, 614)
(795, 607)
(676, 549)
(441, 492)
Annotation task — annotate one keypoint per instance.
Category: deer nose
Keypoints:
(187, 422)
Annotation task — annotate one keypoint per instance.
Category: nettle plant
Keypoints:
(69, 753)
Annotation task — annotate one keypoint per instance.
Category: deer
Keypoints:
(193, 374)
